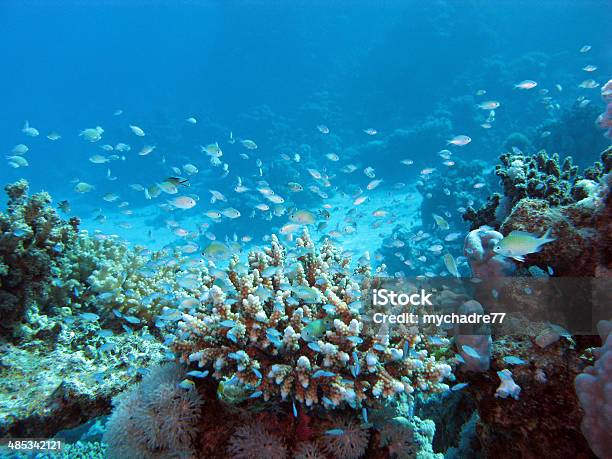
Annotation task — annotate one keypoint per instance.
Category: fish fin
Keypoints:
(518, 257)
(546, 237)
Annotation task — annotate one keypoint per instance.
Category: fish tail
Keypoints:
(546, 237)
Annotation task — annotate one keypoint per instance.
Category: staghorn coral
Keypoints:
(288, 327)
(156, 418)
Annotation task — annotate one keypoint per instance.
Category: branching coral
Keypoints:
(288, 326)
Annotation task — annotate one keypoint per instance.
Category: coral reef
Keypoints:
(536, 177)
(539, 194)
(593, 390)
(289, 327)
(32, 239)
(351, 444)
(252, 441)
(155, 418)
(58, 383)
(513, 428)
(47, 264)
(78, 450)
(409, 438)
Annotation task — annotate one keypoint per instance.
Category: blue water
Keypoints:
(272, 72)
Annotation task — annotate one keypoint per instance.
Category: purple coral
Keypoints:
(254, 441)
(352, 441)
(155, 416)
(594, 390)
(605, 119)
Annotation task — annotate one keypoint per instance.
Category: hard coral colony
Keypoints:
(297, 333)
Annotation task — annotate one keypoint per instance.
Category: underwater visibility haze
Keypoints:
(305, 229)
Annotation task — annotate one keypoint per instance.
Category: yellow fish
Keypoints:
(517, 244)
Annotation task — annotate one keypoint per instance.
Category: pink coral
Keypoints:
(478, 249)
(156, 416)
(594, 390)
(605, 119)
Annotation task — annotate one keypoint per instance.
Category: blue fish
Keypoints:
(231, 335)
(406, 349)
(132, 319)
(469, 350)
(198, 374)
(89, 316)
(186, 384)
(513, 360)
(334, 432)
(295, 412)
(107, 347)
(256, 394)
(323, 374)
(458, 387)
